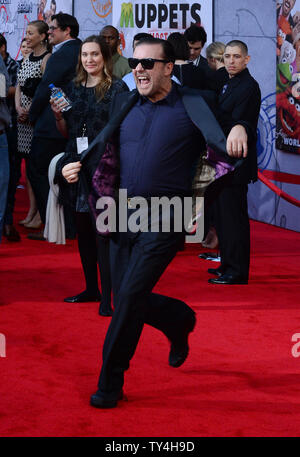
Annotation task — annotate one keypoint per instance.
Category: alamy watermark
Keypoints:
(296, 347)
(154, 214)
(2, 345)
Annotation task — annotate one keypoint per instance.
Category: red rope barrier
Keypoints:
(276, 189)
(281, 177)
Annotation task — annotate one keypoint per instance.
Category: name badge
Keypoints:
(82, 144)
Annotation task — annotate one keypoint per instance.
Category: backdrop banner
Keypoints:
(288, 77)
(15, 16)
(160, 18)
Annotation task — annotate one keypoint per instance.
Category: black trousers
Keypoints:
(137, 262)
(232, 225)
(42, 152)
(94, 253)
(15, 172)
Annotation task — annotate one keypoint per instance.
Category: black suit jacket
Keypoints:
(201, 107)
(60, 70)
(240, 104)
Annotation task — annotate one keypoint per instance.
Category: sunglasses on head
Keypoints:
(147, 64)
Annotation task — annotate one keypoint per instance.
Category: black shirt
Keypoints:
(159, 146)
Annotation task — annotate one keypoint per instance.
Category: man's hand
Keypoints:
(70, 172)
(237, 145)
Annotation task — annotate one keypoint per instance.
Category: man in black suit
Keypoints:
(158, 130)
(239, 103)
(196, 38)
(47, 141)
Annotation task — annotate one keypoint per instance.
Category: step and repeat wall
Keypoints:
(270, 28)
(16, 14)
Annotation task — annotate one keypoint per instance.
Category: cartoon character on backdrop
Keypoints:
(296, 86)
(122, 44)
(41, 10)
(288, 116)
(287, 53)
(48, 14)
(283, 77)
(296, 41)
(283, 30)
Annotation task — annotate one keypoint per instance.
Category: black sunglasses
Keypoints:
(147, 64)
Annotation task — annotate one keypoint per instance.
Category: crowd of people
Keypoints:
(165, 122)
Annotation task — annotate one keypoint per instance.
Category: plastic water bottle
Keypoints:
(58, 93)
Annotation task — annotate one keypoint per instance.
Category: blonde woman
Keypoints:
(29, 76)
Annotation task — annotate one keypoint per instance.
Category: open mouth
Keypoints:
(143, 81)
(283, 79)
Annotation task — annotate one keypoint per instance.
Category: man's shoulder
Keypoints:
(126, 97)
(193, 92)
(245, 79)
(122, 62)
(67, 49)
(122, 58)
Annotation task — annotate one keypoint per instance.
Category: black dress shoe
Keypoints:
(105, 311)
(39, 236)
(228, 279)
(215, 271)
(208, 255)
(98, 400)
(179, 347)
(11, 233)
(83, 297)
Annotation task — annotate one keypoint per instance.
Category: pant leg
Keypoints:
(4, 178)
(233, 229)
(104, 268)
(15, 173)
(87, 246)
(140, 266)
(42, 152)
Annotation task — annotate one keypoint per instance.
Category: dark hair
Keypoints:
(65, 20)
(180, 46)
(3, 41)
(81, 74)
(111, 27)
(141, 35)
(196, 33)
(168, 52)
(243, 47)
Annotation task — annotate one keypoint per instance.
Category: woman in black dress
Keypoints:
(90, 94)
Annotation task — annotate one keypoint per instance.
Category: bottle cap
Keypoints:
(51, 86)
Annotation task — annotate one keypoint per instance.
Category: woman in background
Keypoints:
(25, 50)
(90, 93)
(29, 76)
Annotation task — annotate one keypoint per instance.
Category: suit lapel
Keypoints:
(201, 115)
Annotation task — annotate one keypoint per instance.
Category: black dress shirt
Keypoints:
(159, 146)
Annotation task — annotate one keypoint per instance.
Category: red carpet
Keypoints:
(240, 379)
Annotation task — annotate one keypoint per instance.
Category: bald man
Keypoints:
(120, 63)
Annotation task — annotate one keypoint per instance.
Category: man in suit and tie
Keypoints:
(196, 38)
(47, 141)
(239, 103)
(158, 131)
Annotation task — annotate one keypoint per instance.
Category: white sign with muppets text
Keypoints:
(159, 18)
